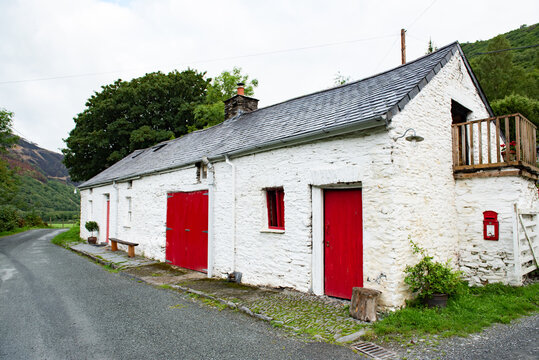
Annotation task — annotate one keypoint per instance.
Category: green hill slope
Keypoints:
(43, 184)
(528, 59)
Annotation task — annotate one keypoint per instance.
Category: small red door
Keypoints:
(108, 220)
(343, 242)
(187, 230)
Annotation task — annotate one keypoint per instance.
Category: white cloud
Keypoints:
(55, 38)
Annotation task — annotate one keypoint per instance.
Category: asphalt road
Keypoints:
(55, 304)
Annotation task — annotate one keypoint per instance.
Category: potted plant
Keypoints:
(509, 154)
(91, 226)
(432, 281)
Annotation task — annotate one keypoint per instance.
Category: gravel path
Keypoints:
(518, 340)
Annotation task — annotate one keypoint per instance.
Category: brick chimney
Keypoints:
(240, 104)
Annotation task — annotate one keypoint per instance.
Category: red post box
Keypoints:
(490, 225)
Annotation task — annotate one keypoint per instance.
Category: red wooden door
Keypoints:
(343, 242)
(108, 220)
(187, 230)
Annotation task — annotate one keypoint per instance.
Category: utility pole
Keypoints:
(403, 46)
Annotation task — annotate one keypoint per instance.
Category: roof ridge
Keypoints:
(359, 80)
(399, 105)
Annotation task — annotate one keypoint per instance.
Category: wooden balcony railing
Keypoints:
(495, 143)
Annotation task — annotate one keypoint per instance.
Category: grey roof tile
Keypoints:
(350, 103)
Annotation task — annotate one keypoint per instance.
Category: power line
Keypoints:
(420, 15)
(280, 51)
(408, 27)
(502, 50)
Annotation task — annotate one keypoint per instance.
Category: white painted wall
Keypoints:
(408, 192)
(485, 261)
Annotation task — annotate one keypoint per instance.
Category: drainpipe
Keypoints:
(233, 212)
(211, 217)
(116, 187)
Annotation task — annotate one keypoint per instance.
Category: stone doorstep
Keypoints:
(156, 281)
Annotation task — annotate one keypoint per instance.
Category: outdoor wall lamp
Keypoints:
(413, 138)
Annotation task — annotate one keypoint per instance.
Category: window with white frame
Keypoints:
(129, 211)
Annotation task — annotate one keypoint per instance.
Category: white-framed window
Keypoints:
(129, 210)
(202, 171)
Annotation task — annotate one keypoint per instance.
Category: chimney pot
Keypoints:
(241, 89)
(239, 103)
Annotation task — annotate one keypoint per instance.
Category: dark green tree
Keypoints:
(498, 75)
(128, 115)
(224, 86)
(513, 104)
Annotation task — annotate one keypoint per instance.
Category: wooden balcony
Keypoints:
(498, 146)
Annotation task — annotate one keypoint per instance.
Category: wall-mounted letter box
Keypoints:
(490, 225)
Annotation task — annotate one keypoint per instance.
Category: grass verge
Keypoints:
(19, 230)
(68, 237)
(62, 226)
(470, 312)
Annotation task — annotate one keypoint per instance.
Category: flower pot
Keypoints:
(92, 240)
(509, 156)
(436, 300)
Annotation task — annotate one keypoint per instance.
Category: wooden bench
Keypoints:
(131, 246)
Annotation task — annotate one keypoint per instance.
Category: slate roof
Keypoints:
(377, 97)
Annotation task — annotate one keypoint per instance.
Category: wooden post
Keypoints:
(131, 251)
(363, 303)
(113, 246)
(403, 46)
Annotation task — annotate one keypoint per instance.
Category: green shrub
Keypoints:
(9, 218)
(429, 277)
(91, 226)
(33, 219)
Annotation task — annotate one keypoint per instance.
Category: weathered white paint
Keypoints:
(408, 192)
(485, 261)
(318, 241)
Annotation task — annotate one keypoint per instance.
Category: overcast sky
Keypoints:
(54, 54)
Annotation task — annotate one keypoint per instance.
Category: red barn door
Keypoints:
(343, 242)
(187, 230)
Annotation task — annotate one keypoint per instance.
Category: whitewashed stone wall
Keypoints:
(424, 207)
(408, 192)
(148, 205)
(484, 261)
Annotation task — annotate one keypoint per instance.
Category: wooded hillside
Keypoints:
(42, 182)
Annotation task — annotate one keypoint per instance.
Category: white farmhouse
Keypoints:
(323, 192)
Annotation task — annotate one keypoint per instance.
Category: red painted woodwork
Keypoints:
(343, 242)
(275, 203)
(108, 220)
(187, 230)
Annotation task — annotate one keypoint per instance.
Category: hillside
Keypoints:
(39, 163)
(528, 59)
(44, 185)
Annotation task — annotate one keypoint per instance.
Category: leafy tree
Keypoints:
(499, 76)
(125, 116)
(8, 182)
(340, 79)
(431, 47)
(10, 218)
(7, 139)
(224, 86)
(512, 104)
